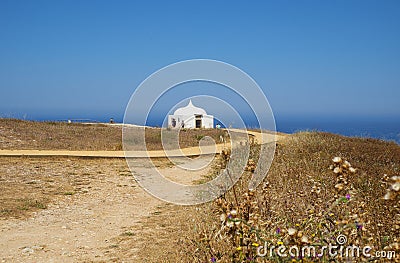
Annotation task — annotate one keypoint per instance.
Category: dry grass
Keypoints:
(30, 184)
(298, 204)
(18, 134)
(29, 135)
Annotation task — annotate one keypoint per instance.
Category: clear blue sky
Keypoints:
(85, 58)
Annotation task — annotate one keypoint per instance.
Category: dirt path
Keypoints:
(190, 151)
(84, 227)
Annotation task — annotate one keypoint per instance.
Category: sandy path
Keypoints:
(84, 227)
(190, 151)
(262, 137)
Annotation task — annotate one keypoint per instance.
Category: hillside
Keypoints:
(31, 135)
(298, 204)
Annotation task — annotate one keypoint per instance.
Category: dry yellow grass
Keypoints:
(298, 196)
(29, 135)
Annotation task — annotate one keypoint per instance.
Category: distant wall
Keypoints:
(175, 121)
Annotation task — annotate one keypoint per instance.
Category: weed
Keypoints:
(310, 196)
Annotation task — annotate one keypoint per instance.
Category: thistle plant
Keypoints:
(311, 209)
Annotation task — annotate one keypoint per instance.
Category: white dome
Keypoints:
(190, 109)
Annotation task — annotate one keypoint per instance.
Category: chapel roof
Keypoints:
(190, 109)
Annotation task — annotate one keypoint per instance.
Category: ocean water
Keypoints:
(384, 129)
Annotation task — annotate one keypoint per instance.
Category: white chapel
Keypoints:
(190, 117)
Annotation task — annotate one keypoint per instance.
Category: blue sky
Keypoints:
(84, 59)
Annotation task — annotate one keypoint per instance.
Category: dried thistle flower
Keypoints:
(388, 196)
(304, 239)
(337, 170)
(337, 160)
(346, 164)
(292, 231)
(396, 186)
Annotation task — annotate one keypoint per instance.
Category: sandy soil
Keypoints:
(190, 151)
(86, 226)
